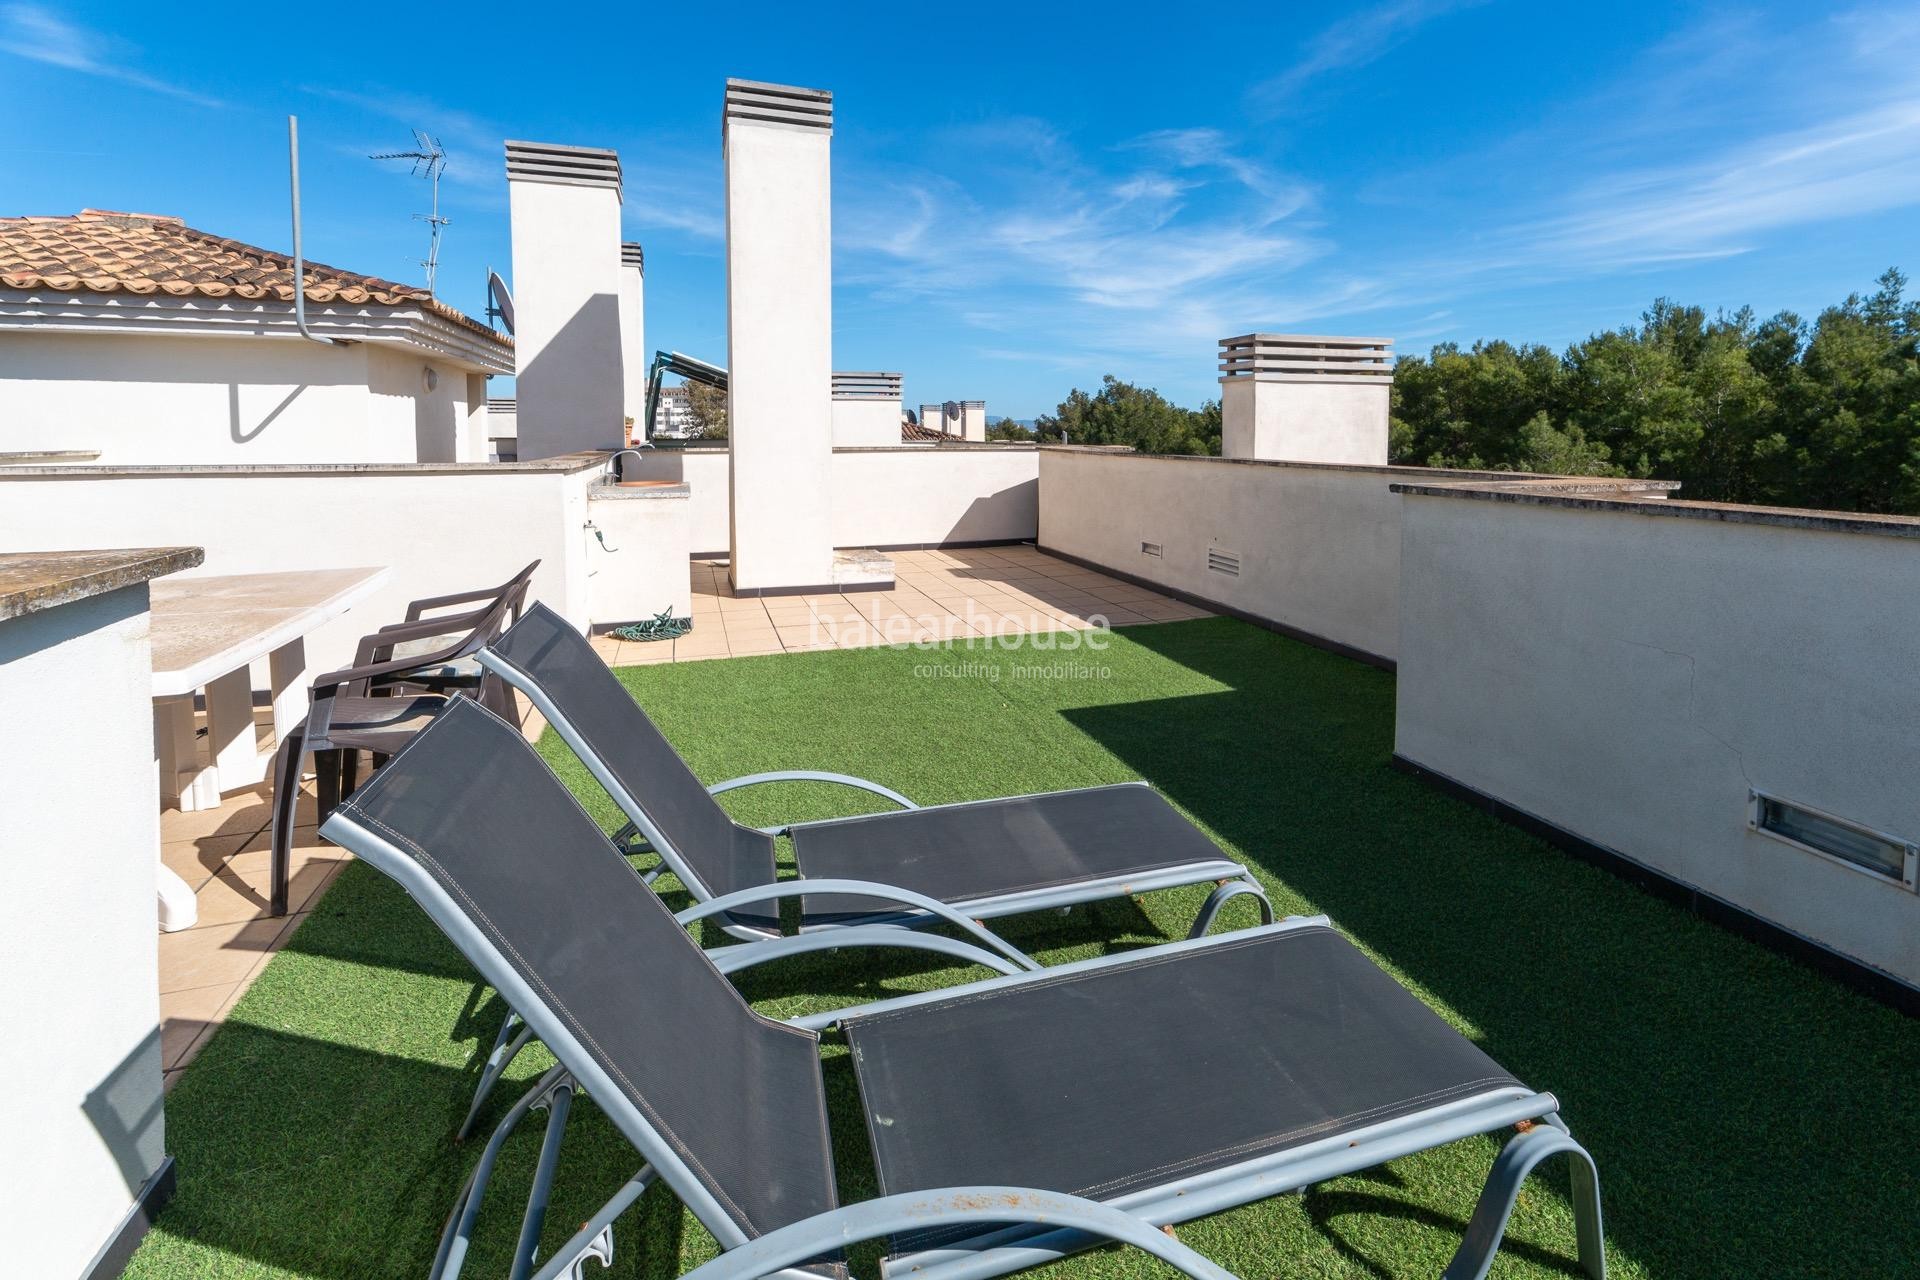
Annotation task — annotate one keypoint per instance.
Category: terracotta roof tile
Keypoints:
(913, 433)
(141, 253)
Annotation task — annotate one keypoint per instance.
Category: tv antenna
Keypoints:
(429, 161)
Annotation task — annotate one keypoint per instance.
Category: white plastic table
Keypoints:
(206, 632)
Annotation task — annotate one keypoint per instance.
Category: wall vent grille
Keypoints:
(1225, 563)
(1848, 843)
(1152, 549)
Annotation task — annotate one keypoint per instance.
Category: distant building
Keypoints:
(674, 419)
(138, 339)
(967, 421)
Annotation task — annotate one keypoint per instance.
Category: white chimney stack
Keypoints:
(634, 358)
(564, 206)
(866, 408)
(778, 145)
(1295, 398)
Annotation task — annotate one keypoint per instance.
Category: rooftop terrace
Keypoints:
(1750, 1116)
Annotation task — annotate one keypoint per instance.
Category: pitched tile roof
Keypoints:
(914, 433)
(97, 251)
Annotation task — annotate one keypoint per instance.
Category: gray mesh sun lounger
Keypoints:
(1012, 1121)
(973, 861)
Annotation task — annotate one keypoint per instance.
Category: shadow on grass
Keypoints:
(1709, 1077)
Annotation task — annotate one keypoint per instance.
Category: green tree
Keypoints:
(1738, 411)
(1123, 414)
(707, 407)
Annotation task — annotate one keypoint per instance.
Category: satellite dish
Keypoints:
(950, 411)
(499, 301)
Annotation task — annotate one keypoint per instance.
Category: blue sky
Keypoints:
(1028, 197)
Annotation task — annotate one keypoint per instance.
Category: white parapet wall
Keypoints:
(1305, 398)
(1631, 672)
(440, 529)
(902, 496)
(778, 142)
(866, 409)
(570, 383)
(80, 835)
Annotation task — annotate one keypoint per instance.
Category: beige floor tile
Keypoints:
(185, 1016)
(695, 646)
(648, 655)
(214, 955)
(240, 891)
(798, 639)
(241, 814)
(751, 635)
(1160, 609)
(195, 861)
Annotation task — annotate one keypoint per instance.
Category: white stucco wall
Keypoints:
(779, 353)
(570, 377)
(1319, 546)
(79, 837)
(634, 356)
(1293, 421)
(860, 422)
(150, 398)
(890, 497)
(638, 567)
(440, 530)
(1629, 677)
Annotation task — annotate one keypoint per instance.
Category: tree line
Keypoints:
(1775, 411)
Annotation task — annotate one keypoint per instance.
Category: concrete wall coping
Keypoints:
(607, 491)
(562, 464)
(943, 446)
(31, 581)
(1609, 483)
(1549, 492)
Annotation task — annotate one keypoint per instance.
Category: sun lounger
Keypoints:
(1012, 1121)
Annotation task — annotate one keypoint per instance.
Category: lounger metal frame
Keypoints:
(1019, 1227)
(641, 835)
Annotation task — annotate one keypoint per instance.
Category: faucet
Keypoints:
(613, 463)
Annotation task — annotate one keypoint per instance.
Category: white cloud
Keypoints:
(39, 35)
(1865, 162)
(1355, 40)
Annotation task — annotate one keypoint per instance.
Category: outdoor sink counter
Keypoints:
(34, 580)
(82, 838)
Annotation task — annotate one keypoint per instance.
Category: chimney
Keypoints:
(866, 408)
(634, 360)
(1294, 398)
(973, 419)
(778, 146)
(564, 207)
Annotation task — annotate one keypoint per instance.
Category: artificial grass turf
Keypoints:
(1749, 1116)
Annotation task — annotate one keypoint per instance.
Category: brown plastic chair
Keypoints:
(380, 702)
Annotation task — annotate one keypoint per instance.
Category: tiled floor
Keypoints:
(222, 854)
(938, 595)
